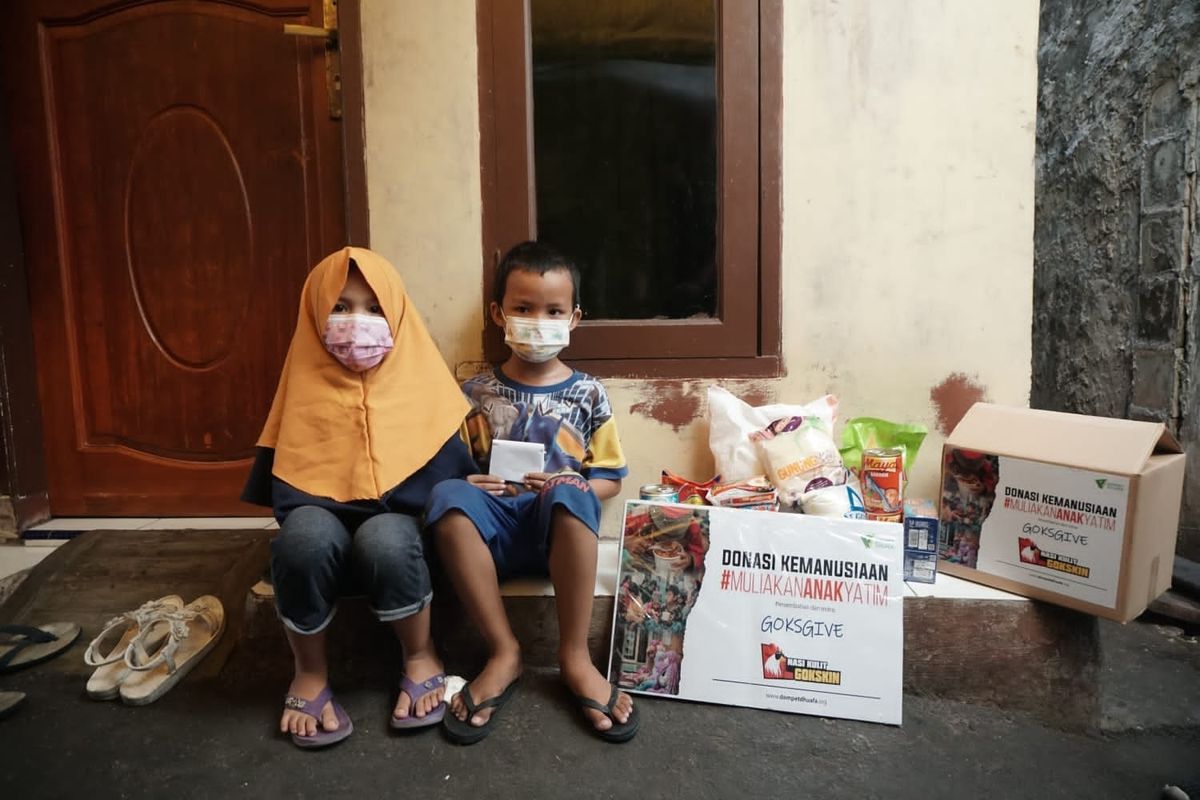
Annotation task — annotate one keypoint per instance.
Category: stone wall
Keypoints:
(1116, 327)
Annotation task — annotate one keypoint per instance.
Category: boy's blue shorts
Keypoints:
(517, 528)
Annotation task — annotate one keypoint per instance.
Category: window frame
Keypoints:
(744, 339)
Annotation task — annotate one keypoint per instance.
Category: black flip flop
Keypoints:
(462, 731)
(619, 732)
(26, 645)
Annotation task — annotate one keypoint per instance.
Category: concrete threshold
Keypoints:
(962, 641)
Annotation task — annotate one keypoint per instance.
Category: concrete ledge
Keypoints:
(962, 641)
(529, 603)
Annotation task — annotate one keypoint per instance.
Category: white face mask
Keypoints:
(536, 340)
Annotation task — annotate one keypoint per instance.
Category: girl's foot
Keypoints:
(501, 670)
(306, 684)
(582, 678)
(417, 669)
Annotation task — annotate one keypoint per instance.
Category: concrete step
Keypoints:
(962, 641)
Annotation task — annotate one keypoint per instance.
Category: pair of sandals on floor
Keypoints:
(458, 731)
(141, 654)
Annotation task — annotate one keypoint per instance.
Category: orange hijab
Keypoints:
(354, 436)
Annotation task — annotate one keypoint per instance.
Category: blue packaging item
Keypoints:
(920, 546)
(920, 567)
(921, 534)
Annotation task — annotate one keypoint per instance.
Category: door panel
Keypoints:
(179, 174)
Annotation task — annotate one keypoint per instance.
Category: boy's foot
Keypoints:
(582, 678)
(417, 670)
(296, 722)
(497, 675)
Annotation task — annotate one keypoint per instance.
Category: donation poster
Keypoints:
(767, 610)
(1040, 524)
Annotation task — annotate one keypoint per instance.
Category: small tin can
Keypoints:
(659, 491)
(882, 478)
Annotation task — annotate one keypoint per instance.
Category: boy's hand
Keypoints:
(492, 484)
(534, 481)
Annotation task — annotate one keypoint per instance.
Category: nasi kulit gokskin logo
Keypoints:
(779, 667)
(1030, 552)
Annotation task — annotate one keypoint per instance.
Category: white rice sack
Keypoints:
(731, 422)
(800, 456)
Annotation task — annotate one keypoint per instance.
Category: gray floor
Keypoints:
(216, 739)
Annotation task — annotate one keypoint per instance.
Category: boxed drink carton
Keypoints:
(920, 541)
(1074, 510)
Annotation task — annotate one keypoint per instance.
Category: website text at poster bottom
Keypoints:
(797, 695)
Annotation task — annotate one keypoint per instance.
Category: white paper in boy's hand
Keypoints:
(512, 460)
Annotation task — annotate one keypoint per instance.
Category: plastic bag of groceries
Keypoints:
(731, 421)
(799, 456)
(867, 433)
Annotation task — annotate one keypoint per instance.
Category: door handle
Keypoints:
(330, 35)
(333, 59)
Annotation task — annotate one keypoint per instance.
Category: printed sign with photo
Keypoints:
(1027, 521)
(766, 610)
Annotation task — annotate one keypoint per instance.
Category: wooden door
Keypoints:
(178, 174)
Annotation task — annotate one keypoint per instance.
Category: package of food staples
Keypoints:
(731, 421)
(799, 456)
(755, 493)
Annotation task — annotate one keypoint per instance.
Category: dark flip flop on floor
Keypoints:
(619, 732)
(24, 645)
(462, 731)
(415, 692)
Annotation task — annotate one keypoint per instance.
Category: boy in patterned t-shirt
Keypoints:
(487, 530)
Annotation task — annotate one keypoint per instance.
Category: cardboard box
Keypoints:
(1074, 510)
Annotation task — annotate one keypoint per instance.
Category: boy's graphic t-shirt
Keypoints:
(573, 420)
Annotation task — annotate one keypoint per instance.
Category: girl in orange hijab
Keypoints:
(363, 425)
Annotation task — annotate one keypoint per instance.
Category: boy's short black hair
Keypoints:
(536, 257)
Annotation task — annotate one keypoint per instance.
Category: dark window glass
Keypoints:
(625, 151)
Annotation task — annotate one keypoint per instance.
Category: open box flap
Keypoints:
(1102, 444)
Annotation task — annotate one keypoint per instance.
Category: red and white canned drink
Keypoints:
(882, 478)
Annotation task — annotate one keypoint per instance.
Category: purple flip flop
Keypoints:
(322, 738)
(415, 692)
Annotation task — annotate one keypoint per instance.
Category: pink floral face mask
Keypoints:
(359, 341)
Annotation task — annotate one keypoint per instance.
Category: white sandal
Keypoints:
(111, 670)
(190, 633)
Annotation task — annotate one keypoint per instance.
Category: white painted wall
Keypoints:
(422, 142)
(907, 206)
